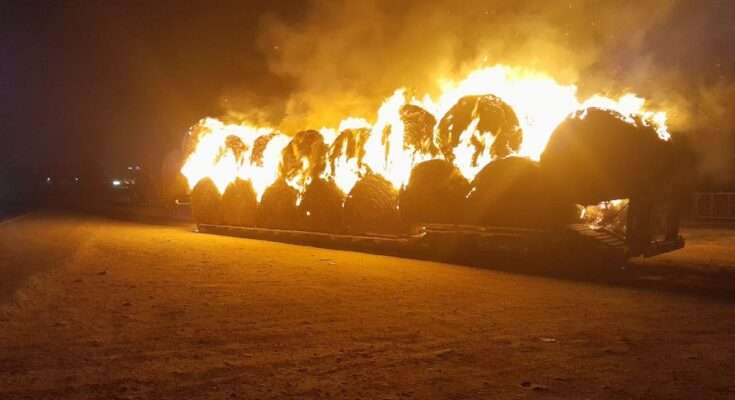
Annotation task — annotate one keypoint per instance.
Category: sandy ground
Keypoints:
(96, 308)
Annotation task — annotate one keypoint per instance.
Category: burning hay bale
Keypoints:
(435, 193)
(349, 144)
(598, 155)
(206, 202)
(304, 157)
(236, 146)
(321, 207)
(259, 146)
(512, 192)
(372, 207)
(278, 209)
(418, 130)
(239, 204)
(496, 123)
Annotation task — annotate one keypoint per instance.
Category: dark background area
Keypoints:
(90, 85)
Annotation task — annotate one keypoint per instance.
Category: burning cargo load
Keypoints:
(304, 158)
(371, 207)
(596, 155)
(403, 170)
(513, 149)
(435, 193)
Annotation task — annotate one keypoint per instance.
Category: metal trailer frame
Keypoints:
(469, 241)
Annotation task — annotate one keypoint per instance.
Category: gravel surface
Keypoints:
(104, 309)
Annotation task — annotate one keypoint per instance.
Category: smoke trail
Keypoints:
(344, 57)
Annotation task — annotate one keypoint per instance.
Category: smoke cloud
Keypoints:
(343, 58)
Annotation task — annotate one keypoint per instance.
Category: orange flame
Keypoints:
(540, 103)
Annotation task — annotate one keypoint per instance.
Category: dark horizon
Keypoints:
(117, 82)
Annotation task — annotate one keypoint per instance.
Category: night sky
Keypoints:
(117, 81)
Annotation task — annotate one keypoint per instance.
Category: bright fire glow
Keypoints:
(539, 102)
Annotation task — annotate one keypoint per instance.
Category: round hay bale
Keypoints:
(239, 204)
(206, 202)
(512, 192)
(435, 192)
(236, 146)
(278, 209)
(304, 157)
(597, 155)
(259, 146)
(495, 119)
(418, 129)
(349, 144)
(321, 207)
(372, 207)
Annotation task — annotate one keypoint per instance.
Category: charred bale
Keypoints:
(239, 204)
(512, 192)
(278, 209)
(596, 155)
(321, 207)
(349, 144)
(304, 157)
(372, 207)
(206, 202)
(235, 145)
(496, 121)
(418, 129)
(435, 193)
(259, 146)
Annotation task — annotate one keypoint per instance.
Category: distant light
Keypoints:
(48, 180)
(130, 168)
(137, 168)
(116, 183)
(76, 178)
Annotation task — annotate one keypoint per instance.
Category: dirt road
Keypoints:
(95, 308)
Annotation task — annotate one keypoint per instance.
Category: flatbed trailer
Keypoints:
(570, 243)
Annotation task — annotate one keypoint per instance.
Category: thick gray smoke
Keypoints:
(346, 56)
